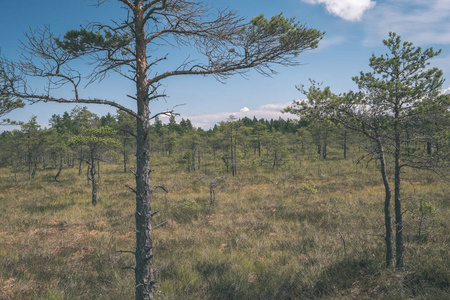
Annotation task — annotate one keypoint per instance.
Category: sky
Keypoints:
(354, 31)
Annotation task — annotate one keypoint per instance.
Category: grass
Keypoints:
(264, 239)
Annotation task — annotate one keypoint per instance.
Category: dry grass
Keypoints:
(265, 238)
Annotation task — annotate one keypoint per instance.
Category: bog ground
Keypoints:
(308, 230)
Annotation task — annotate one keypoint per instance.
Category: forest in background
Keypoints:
(79, 136)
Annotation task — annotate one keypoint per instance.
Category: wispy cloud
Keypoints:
(267, 111)
(350, 10)
(417, 21)
(5, 127)
(446, 91)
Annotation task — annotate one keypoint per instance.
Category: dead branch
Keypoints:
(160, 225)
(126, 251)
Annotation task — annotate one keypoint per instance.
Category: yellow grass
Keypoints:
(264, 239)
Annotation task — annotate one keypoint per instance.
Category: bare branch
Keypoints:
(130, 188)
(160, 187)
(128, 132)
(160, 225)
(127, 3)
(150, 8)
(36, 98)
(168, 113)
(126, 251)
(343, 241)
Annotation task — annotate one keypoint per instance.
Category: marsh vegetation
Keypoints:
(268, 236)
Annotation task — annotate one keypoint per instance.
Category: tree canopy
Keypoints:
(7, 105)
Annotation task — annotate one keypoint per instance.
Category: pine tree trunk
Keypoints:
(44, 161)
(325, 140)
(92, 177)
(387, 205)
(33, 172)
(124, 157)
(60, 168)
(88, 172)
(98, 170)
(345, 144)
(212, 196)
(399, 251)
(80, 161)
(144, 276)
(259, 148)
(193, 158)
(30, 165)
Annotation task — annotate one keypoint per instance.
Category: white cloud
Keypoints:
(350, 10)
(417, 21)
(446, 91)
(273, 107)
(244, 109)
(267, 111)
(17, 127)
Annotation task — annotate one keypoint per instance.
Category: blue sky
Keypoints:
(354, 30)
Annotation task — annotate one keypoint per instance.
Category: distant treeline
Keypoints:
(80, 138)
